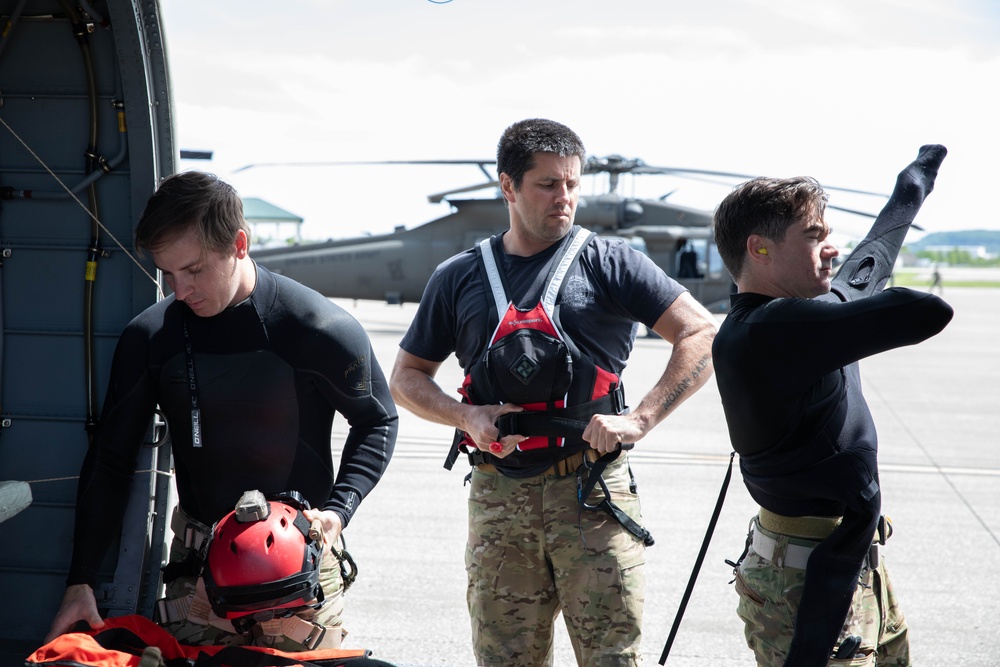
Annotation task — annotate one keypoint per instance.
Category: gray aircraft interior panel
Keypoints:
(57, 293)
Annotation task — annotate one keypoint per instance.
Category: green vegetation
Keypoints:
(917, 280)
(921, 277)
(957, 257)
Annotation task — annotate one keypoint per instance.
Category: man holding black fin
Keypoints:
(813, 587)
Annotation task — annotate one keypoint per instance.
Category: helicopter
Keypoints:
(395, 267)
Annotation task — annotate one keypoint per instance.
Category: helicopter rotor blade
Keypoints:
(694, 174)
(868, 214)
(438, 197)
(335, 163)
(613, 165)
(854, 211)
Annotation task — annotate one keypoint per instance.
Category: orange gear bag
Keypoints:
(123, 639)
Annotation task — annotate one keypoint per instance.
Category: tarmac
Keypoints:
(938, 415)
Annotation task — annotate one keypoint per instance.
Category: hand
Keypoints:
(331, 524)
(78, 604)
(481, 427)
(606, 433)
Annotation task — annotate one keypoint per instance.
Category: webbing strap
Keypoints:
(539, 424)
(596, 477)
(698, 561)
(555, 283)
(500, 301)
(568, 423)
(551, 293)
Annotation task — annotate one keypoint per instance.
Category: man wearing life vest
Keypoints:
(542, 319)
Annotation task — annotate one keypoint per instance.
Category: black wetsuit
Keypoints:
(791, 389)
(270, 373)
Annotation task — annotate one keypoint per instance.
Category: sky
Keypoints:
(842, 90)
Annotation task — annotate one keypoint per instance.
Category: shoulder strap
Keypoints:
(486, 252)
(488, 263)
(580, 239)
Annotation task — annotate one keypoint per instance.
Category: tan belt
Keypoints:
(796, 555)
(562, 468)
(815, 528)
(802, 527)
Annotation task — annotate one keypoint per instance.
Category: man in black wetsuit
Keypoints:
(249, 368)
(811, 583)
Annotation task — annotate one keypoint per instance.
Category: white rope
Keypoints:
(63, 479)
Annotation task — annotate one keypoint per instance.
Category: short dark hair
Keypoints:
(519, 143)
(766, 207)
(192, 200)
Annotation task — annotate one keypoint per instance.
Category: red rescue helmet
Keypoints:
(261, 557)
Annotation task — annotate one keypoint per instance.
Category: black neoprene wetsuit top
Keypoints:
(790, 385)
(789, 380)
(791, 389)
(270, 373)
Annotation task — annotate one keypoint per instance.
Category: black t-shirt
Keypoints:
(607, 291)
(270, 374)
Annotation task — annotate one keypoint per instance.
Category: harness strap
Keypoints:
(493, 276)
(701, 557)
(556, 281)
(551, 292)
(568, 423)
(539, 424)
(596, 478)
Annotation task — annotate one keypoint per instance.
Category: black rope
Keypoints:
(700, 559)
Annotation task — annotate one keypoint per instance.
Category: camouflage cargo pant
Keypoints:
(531, 554)
(769, 599)
(199, 626)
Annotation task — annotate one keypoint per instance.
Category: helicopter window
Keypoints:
(716, 269)
(689, 261)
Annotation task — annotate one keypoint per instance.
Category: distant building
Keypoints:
(270, 224)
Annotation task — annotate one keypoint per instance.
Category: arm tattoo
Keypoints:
(686, 383)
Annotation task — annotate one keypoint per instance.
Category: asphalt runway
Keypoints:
(938, 414)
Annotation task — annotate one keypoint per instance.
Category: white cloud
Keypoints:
(846, 91)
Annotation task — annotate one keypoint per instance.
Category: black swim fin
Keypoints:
(869, 266)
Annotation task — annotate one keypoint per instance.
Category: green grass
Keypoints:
(911, 280)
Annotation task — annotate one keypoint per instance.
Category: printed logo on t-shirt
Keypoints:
(578, 292)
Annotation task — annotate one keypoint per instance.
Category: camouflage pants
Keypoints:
(532, 553)
(770, 595)
(202, 627)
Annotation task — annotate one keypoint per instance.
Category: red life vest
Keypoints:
(530, 361)
(123, 639)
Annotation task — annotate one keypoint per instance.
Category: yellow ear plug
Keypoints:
(762, 251)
